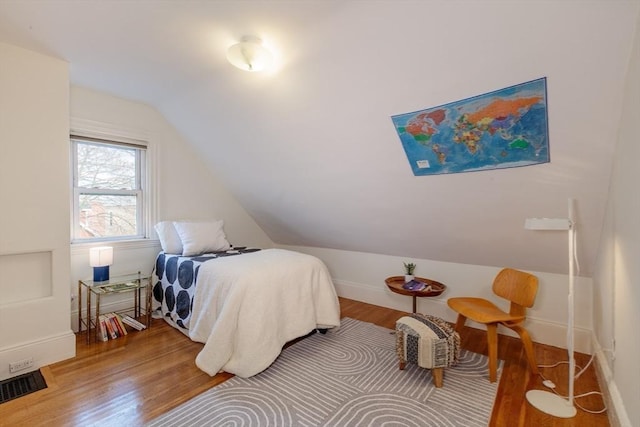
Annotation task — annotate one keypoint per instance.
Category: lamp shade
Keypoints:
(101, 256)
(249, 55)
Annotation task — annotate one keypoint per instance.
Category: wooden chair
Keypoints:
(520, 289)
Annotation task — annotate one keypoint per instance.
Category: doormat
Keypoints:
(21, 385)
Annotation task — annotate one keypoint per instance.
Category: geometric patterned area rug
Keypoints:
(347, 377)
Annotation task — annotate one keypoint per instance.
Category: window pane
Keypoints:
(106, 216)
(107, 167)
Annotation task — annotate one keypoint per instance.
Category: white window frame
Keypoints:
(99, 132)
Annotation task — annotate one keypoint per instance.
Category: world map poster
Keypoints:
(501, 129)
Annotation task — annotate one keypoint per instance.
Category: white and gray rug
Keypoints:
(348, 377)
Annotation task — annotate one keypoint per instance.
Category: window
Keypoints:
(109, 197)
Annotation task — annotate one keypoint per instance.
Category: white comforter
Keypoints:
(247, 307)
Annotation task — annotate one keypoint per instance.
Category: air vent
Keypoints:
(21, 385)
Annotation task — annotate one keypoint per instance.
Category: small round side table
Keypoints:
(433, 288)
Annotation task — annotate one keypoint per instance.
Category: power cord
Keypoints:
(549, 384)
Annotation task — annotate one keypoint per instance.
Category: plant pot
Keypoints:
(408, 278)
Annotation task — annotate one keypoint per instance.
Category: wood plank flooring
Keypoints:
(131, 380)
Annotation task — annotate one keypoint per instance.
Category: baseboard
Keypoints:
(44, 351)
(616, 411)
(541, 330)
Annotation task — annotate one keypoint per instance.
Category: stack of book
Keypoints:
(112, 326)
(133, 323)
(416, 285)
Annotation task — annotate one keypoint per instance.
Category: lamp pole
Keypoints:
(551, 403)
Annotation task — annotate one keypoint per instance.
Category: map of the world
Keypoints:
(500, 129)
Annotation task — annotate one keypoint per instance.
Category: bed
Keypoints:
(244, 304)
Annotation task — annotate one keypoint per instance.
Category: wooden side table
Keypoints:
(433, 289)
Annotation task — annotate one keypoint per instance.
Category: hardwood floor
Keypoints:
(131, 380)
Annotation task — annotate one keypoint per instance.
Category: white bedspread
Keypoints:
(247, 307)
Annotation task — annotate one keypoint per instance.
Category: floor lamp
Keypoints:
(546, 401)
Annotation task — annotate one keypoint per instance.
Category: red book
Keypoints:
(120, 323)
(114, 324)
(112, 333)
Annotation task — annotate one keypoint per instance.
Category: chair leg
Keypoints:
(437, 374)
(460, 323)
(528, 347)
(492, 340)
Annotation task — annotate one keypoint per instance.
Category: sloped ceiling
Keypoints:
(309, 149)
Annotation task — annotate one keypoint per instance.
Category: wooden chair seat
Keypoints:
(482, 311)
(520, 289)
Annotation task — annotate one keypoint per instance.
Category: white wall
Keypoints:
(34, 209)
(185, 188)
(360, 276)
(324, 165)
(617, 277)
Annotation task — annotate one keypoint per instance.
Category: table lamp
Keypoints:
(100, 258)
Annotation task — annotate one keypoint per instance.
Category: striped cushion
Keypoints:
(427, 340)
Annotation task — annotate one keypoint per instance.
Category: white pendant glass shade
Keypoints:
(249, 55)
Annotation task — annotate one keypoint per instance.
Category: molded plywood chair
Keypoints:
(520, 289)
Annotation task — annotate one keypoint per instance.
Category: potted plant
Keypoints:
(409, 267)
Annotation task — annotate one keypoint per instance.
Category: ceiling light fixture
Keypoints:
(250, 54)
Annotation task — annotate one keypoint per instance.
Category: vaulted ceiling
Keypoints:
(309, 149)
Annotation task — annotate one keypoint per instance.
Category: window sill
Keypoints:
(82, 247)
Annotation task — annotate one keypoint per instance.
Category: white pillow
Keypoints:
(200, 237)
(169, 238)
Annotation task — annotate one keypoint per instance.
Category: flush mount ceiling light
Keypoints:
(249, 54)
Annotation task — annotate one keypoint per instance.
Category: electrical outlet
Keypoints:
(20, 365)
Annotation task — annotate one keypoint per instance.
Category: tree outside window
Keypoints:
(108, 190)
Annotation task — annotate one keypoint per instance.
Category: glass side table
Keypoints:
(132, 283)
